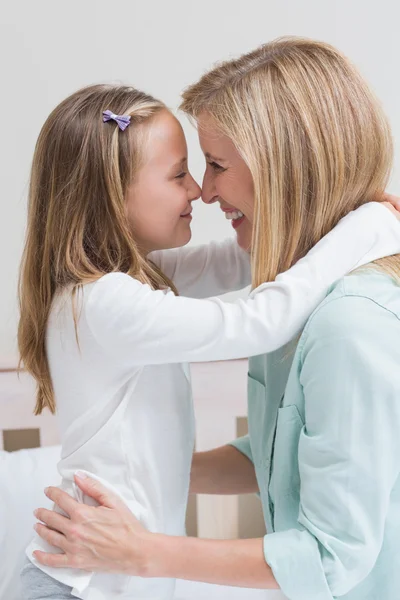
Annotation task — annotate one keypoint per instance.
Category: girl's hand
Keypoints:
(392, 203)
(104, 538)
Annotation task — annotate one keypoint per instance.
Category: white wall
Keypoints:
(48, 49)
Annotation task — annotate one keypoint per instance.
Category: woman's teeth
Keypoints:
(235, 214)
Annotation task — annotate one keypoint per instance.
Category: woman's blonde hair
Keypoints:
(77, 225)
(313, 135)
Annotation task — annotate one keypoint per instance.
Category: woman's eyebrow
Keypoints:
(211, 157)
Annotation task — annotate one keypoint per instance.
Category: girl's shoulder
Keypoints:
(98, 298)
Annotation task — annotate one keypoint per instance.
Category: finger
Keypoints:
(392, 209)
(53, 519)
(394, 200)
(98, 492)
(63, 500)
(52, 560)
(54, 538)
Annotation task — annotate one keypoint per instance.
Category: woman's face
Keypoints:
(159, 200)
(227, 180)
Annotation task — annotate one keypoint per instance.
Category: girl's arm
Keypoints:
(136, 325)
(208, 270)
(215, 268)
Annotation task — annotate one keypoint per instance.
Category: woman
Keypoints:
(293, 136)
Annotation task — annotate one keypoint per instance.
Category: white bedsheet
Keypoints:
(189, 590)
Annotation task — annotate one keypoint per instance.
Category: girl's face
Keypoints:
(159, 200)
(227, 180)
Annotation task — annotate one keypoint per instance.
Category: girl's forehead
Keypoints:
(165, 142)
(164, 125)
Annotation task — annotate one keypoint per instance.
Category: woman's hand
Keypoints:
(108, 538)
(102, 538)
(392, 203)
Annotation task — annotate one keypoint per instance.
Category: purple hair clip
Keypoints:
(122, 120)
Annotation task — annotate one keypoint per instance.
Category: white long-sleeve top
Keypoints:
(123, 396)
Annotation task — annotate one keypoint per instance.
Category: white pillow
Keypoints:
(23, 477)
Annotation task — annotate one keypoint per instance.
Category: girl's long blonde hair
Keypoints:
(77, 226)
(313, 135)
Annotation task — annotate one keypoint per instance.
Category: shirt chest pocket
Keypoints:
(259, 426)
(285, 478)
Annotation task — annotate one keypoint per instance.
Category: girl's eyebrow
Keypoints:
(180, 163)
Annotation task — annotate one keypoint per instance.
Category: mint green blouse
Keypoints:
(324, 436)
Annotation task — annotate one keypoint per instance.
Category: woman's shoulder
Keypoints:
(366, 303)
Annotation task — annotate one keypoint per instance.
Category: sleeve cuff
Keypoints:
(295, 561)
(243, 445)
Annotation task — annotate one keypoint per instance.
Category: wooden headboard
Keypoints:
(19, 427)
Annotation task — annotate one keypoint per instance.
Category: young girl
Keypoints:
(103, 329)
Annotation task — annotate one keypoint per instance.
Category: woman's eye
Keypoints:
(181, 175)
(216, 166)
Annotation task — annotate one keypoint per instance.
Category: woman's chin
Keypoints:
(244, 241)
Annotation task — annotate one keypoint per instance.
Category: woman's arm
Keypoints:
(139, 326)
(237, 563)
(223, 470)
(108, 538)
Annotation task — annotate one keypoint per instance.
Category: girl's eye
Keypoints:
(181, 175)
(216, 167)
